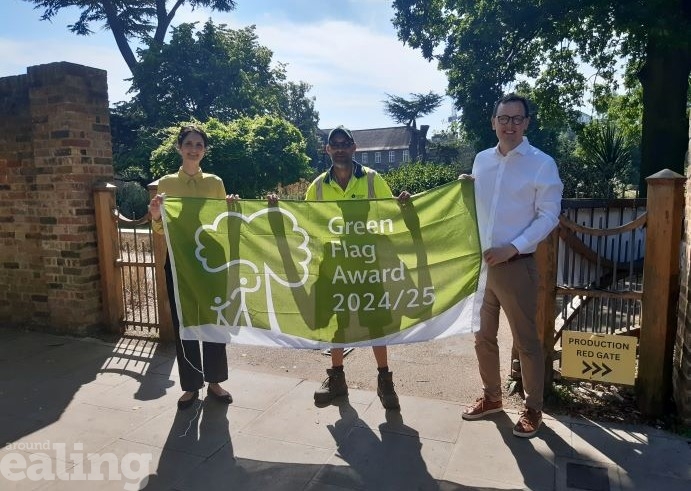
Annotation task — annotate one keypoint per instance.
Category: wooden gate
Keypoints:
(600, 266)
(131, 263)
(594, 278)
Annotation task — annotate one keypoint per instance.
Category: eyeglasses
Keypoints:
(514, 119)
(343, 144)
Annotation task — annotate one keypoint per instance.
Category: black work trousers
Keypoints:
(193, 369)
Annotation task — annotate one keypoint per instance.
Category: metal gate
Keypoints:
(138, 276)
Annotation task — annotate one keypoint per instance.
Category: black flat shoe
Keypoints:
(184, 404)
(225, 398)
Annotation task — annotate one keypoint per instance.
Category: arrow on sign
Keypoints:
(596, 368)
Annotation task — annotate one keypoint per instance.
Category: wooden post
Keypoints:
(660, 291)
(165, 320)
(546, 258)
(108, 254)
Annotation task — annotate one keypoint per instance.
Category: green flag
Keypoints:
(327, 273)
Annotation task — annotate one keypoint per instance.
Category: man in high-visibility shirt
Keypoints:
(348, 179)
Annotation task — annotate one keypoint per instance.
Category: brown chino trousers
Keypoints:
(511, 286)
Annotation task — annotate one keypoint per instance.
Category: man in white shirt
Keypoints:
(518, 200)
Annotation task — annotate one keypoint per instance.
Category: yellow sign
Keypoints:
(599, 357)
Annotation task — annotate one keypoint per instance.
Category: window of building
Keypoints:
(377, 157)
(406, 156)
(392, 156)
(365, 159)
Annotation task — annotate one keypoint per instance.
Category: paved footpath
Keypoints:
(66, 404)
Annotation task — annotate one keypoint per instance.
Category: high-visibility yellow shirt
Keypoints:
(182, 185)
(357, 187)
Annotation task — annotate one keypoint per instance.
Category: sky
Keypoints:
(348, 51)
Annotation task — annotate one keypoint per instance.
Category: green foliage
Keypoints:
(487, 47)
(571, 172)
(416, 177)
(626, 113)
(296, 106)
(215, 72)
(605, 154)
(132, 142)
(132, 200)
(596, 163)
(251, 155)
(407, 111)
(143, 20)
(452, 147)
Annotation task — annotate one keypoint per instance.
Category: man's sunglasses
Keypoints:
(343, 144)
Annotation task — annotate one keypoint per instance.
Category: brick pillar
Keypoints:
(57, 122)
(15, 152)
(681, 375)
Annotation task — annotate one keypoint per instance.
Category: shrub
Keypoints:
(250, 155)
(132, 200)
(416, 177)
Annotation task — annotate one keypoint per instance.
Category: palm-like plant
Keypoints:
(606, 156)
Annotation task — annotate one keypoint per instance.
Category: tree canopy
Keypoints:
(146, 21)
(408, 110)
(485, 47)
(251, 155)
(215, 72)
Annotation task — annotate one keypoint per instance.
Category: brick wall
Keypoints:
(54, 146)
(681, 377)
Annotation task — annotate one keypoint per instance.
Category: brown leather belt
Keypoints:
(519, 256)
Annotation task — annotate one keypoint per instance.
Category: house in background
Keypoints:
(383, 149)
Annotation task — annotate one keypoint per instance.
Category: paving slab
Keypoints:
(116, 403)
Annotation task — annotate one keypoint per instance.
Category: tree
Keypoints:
(215, 72)
(408, 110)
(251, 155)
(626, 113)
(489, 45)
(451, 147)
(132, 142)
(298, 108)
(144, 20)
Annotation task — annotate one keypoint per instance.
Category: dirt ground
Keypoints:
(443, 369)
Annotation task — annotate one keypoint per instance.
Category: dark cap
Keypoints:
(341, 129)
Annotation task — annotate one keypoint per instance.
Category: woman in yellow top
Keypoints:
(190, 181)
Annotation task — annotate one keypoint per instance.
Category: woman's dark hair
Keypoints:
(186, 130)
(511, 98)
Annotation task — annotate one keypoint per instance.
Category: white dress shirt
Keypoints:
(517, 196)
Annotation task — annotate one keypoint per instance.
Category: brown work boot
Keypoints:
(334, 386)
(386, 392)
(528, 423)
(481, 408)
